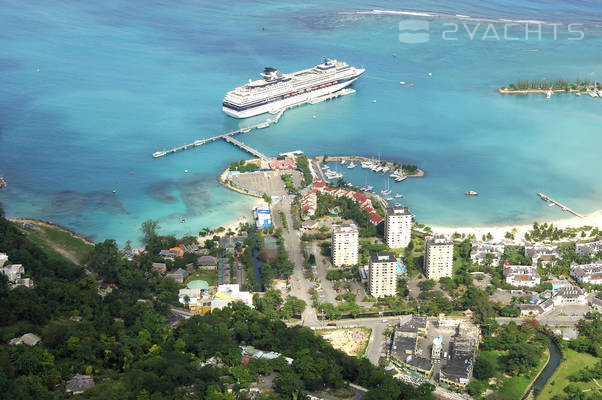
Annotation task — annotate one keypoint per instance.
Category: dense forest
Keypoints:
(124, 341)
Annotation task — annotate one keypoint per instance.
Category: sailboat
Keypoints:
(386, 191)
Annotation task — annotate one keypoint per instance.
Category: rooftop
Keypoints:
(439, 240)
(382, 257)
(344, 228)
(398, 210)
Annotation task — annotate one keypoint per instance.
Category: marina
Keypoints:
(559, 204)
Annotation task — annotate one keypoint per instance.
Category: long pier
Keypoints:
(559, 204)
(247, 148)
(228, 135)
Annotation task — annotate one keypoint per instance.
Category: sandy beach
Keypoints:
(232, 225)
(594, 219)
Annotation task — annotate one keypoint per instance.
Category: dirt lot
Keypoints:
(268, 182)
(352, 341)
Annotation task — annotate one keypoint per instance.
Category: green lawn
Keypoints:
(572, 362)
(514, 387)
(55, 241)
(209, 276)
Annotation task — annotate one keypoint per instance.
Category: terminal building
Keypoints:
(398, 227)
(262, 216)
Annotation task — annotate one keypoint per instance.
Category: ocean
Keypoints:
(119, 80)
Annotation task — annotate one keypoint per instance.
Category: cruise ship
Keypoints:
(277, 91)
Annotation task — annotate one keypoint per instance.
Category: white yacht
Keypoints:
(351, 165)
(276, 91)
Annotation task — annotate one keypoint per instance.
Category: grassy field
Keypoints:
(209, 276)
(56, 241)
(572, 362)
(514, 387)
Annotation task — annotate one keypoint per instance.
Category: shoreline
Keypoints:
(499, 231)
(52, 225)
(538, 91)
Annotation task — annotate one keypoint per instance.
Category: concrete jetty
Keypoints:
(559, 204)
(247, 148)
(228, 135)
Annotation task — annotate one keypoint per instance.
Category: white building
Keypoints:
(3, 259)
(226, 294)
(398, 227)
(345, 244)
(382, 274)
(545, 254)
(589, 249)
(569, 295)
(14, 274)
(588, 273)
(522, 275)
(262, 216)
(480, 251)
(438, 257)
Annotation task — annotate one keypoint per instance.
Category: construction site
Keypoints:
(352, 341)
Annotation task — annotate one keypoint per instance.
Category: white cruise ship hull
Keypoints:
(276, 106)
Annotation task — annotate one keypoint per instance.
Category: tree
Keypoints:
(475, 388)
(149, 229)
(483, 368)
(427, 284)
(521, 357)
(509, 311)
(288, 384)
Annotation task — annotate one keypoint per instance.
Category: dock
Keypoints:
(247, 148)
(559, 204)
(228, 135)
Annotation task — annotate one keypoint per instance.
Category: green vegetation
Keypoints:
(571, 366)
(548, 232)
(267, 198)
(283, 220)
(288, 183)
(281, 267)
(208, 276)
(56, 241)
(553, 84)
(409, 169)
(513, 355)
(303, 165)
(244, 166)
(348, 209)
(132, 353)
(274, 307)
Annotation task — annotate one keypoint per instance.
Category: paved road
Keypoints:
(299, 285)
(327, 294)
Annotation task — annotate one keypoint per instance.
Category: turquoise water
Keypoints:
(121, 80)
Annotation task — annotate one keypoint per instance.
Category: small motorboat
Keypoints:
(471, 193)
